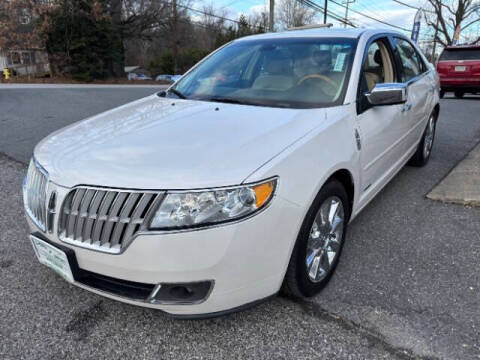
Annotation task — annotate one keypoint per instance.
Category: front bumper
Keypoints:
(244, 261)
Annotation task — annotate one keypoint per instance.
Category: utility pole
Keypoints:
(434, 42)
(174, 38)
(271, 24)
(325, 12)
(346, 11)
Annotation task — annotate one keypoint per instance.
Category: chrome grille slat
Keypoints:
(103, 219)
(139, 209)
(91, 213)
(35, 194)
(87, 198)
(72, 219)
(101, 216)
(124, 217)
(112, 217)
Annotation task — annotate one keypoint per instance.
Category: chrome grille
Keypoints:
(35, 193)
(103, 219)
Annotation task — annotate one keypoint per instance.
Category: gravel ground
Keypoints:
(407, 285)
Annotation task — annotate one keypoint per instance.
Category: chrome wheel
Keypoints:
(429, 134)
(324, 241)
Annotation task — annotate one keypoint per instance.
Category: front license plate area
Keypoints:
(52, 257)
(460, 68)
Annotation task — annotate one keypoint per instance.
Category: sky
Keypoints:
(387, 11)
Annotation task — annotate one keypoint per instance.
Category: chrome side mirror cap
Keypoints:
(387, 94)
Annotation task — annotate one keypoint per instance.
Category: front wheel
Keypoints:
(442, 94)
(422, 155)
(459, 94)
(319, 243)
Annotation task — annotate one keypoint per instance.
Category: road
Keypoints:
(407, 285)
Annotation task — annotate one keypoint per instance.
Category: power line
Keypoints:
(373, 10)
(215, 16)
(412, 7)
(371, 17)
(317, 7)
(408, 5)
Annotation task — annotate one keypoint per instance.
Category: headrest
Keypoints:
(276, 63)
(377, 57)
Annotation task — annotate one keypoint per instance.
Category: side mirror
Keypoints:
(387, 94)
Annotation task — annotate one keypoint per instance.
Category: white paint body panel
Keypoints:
(152, 144)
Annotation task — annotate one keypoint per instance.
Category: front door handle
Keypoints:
(406, 107)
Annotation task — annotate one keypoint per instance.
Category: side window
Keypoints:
(378, 66)
(412, 63)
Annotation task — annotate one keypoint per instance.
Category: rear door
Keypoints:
(420, 90)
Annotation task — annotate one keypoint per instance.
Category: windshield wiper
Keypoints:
(178, 93)
(228, 100)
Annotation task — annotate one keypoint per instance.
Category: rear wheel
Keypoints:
(319, 243)
(422, 155)
(459, 94)
(442, 94)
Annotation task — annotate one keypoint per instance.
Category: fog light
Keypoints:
(181, 293)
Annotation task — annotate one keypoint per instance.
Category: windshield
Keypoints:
(461, 54)
(292, 72)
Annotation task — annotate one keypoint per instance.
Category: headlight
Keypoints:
(200, 208)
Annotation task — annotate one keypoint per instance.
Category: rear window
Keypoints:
(460, 54)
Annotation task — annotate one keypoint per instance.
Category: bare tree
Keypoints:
(290, 13)
(259, 20)
(445, 15)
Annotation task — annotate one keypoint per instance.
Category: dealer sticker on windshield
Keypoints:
(52, 257)
(340, 61)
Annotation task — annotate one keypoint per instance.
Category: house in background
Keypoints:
(25, 62)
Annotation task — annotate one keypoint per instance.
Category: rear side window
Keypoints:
(412, 63)
(460, 54)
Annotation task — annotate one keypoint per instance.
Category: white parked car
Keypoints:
(240, 179)
(138, 76)
(171, 78)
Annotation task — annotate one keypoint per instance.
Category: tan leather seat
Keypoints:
(374, 71)
(372, 79)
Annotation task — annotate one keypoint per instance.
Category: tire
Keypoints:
(459, 94)
(442, 94)
(298, 281)
(424, 149)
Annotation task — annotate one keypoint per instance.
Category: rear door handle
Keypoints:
(406, 107)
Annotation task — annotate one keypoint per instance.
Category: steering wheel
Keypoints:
(325, 78)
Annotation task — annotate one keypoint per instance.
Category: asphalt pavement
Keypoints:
(407, 285)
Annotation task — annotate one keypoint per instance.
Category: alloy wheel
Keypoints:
(429, 134)
(325, 237)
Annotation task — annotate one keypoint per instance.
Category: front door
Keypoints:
(382, 128)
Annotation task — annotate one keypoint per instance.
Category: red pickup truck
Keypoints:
(459, 70)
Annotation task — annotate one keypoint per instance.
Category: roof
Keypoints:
(319, 32)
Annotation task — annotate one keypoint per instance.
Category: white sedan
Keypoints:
(240, 179)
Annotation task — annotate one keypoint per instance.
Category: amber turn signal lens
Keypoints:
(263, 192)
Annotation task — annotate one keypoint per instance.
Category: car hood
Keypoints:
(159, 143)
